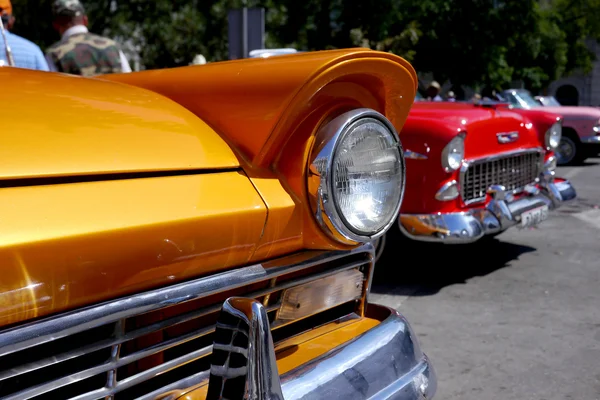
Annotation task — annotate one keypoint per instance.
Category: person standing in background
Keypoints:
(80, 52)
(25, 53)
(433, 92)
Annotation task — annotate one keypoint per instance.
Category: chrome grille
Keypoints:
(513, 171)
(153, 342)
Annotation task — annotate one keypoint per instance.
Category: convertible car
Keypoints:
(204, 232)
(474, 170)
(581, 126)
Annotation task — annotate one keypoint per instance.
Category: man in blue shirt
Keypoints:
(25, 53)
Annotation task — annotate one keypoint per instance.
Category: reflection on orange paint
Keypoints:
(65, 246)
(416, 226)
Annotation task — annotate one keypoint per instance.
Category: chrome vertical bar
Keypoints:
(243, 361)
(111, 376)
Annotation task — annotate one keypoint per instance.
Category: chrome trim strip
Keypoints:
(167, 323)
(46, 330)
(143, 376)
(320, 176)
(474, 161)
(116, 363)
(107, 391)
(112, 312)
(498, 156)
(25, 368)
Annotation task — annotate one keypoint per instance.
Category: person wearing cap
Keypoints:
(451, 97)
(433, 92)
(80, 52)
(26, 54)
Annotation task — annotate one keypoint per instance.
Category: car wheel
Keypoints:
(568, 152)
(379, 245)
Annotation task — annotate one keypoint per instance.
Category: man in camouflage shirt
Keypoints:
(80, 52)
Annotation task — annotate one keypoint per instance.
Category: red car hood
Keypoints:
(482, 124)
(459, 113)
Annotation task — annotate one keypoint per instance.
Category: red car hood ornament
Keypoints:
(507, 137)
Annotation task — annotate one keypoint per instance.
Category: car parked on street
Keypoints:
(549, 101)
(581, 126)
(205, 232)
(475, 170)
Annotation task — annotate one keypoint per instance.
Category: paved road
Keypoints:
(516, 318)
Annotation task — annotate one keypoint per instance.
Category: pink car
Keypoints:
(581, 126)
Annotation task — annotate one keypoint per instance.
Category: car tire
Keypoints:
(569, 151)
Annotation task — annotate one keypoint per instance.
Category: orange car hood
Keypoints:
(59, 125)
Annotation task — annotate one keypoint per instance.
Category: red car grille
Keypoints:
(513, 171)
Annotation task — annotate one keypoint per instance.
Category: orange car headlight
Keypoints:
(356, 176)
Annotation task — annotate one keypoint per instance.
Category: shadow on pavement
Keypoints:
(409, 268)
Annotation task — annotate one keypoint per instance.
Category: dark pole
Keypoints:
(245, 31)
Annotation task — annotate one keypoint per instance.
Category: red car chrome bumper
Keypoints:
(502, 212)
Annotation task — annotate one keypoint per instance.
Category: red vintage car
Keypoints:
(478, 169)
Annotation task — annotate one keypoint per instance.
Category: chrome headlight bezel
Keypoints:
(554, 132)
(320, 176)
(449, 156)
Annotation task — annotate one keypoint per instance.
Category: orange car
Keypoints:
(204, 232)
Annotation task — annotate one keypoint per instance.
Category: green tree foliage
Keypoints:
(578, 21)
(473, 42)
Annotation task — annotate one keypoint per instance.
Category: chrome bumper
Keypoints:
(502, 212)
(590, 140)
(385, 362)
